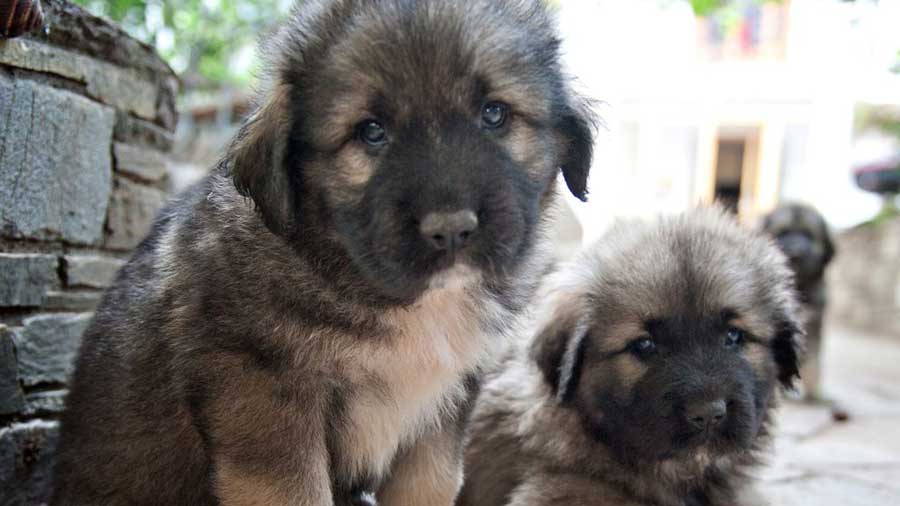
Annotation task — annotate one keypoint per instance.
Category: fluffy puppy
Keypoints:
(308, 322)
(653, 376)
(802, 234)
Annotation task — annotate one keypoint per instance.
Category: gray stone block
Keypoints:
(143, 163)
(11, 400)
(26, 278)
(74, 28)
(55, 163)
(166, 106)
(50, 403)
(133, 208)
(46, 347)
(91, 271)
(137, 131)
(72, 301)
(27, 455)
(124, 89)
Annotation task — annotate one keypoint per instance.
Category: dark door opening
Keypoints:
(729, 171)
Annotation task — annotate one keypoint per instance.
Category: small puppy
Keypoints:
(308, 323)
(802, 234)
(652, 379)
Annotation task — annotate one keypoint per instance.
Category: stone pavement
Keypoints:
(820, 462)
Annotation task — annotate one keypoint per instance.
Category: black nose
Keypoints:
(448, 231)
(705, 415)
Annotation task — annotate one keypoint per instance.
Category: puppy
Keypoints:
(802, 234)
(307, 323)
(652, 379)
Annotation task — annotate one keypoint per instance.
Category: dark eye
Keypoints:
(372, 133)
(734, 337)
(643, 347)
(494, 114)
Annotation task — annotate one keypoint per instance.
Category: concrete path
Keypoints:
(820, 462)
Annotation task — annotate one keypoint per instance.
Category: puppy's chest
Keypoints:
(409, 384)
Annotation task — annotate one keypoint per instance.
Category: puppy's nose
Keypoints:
(448, 231)
(705, 415)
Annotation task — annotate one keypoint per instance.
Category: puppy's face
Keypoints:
(677, 344)
(419, 135)
(678, 383)
(802, 234)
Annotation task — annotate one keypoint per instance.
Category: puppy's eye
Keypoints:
(734, 337)
(643, 347)
(494, 115)
(372, 132)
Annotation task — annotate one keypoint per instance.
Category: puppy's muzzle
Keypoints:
(448, 232)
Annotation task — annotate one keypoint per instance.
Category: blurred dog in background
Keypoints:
(802, 234)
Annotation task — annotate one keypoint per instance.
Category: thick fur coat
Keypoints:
(652, 378)
(309, 321)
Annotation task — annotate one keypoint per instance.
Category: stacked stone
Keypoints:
(864, 289)
(87, 116)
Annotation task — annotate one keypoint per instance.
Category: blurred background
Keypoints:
(752, 103)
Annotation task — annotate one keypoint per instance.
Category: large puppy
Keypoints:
(802, 234)
(652, 379)
(324, 337)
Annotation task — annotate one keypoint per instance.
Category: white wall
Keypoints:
(661, 104)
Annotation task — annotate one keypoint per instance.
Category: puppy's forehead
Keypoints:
(417, 55)
(780, 220)
(796, 218)
(693, 276)
(810, 220)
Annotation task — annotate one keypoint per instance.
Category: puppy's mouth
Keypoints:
(711, 443)
(443, 261)
(458, 276)
(702, 439)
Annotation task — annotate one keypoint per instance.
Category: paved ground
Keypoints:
(820, 462)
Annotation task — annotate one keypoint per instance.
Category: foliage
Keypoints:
(208, 42)
(211, 42)
(710, 7)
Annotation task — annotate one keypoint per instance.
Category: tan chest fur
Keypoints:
(408, 384)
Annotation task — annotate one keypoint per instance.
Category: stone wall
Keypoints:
(864, 280)
(86, 123)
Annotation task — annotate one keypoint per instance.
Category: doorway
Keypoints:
(735, 167)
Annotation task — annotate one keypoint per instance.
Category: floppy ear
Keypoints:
(828, 243)
(558, 351)
(767, 223)
(788, 349)
(256, 160)
(577, 126)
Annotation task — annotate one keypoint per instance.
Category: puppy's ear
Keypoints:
(828, 244)
(256, 160)
(577, 126)
(767, 223)
(788, 349)
(558, 351)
